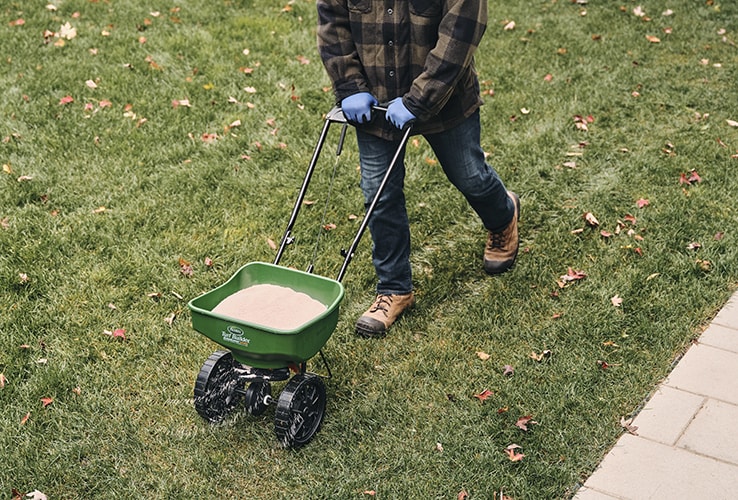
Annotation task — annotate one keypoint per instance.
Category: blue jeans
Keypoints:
(460, 154)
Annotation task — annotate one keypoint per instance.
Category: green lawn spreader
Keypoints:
(255, 356)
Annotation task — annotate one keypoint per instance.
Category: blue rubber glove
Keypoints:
(357, 108)
(398, 114)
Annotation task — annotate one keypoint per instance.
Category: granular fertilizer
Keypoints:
(272, 306)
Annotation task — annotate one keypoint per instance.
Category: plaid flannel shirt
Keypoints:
(420, 50)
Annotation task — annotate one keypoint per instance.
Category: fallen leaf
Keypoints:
(181, 102)
(513, 455)
(47, 401)
(508, 370)
(439, 447)
(627, 425)
(482, 355)
(25, 418)
(591, 219)
(603, 364)
(653, 39)
(524, 421)
(271, 244)
(573, 275)
(169, 320)
(208, 262)
(642, 202)
(185, 268)
(509, 26)
(542, 356)
(462, 495)
(3, 381)
(694, 246)
(616, 301)
(371, 493)
(67, 31)
(732, 123)
(482, 396)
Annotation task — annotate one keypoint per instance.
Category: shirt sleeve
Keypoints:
(338, 50)
(459, 33)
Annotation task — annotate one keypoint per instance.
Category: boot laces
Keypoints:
(383, 303)
(496, 240)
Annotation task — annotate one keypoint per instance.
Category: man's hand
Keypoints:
(357, 108)
(398, 114)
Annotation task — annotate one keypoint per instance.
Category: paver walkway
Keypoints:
(686, 445)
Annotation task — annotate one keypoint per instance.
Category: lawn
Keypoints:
(150, 149)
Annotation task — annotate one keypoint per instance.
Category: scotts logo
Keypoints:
(235, 334)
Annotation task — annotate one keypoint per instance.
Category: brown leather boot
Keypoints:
(502, 247)
(383, 312)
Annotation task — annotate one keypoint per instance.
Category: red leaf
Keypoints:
(642, 202)
(513, 455)
(185, 267)
(484, 395)
(25, 418)
(66, 100)
(573, 275)
(47, 401)
(524, 421)
(119, 333)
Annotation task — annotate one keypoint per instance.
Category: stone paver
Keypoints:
(713, 432)
(638, 469)
(680, 406)
(686, 445)
(721, 337)
(708, 371)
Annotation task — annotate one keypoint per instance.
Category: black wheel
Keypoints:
(217, 390)
(256, 397)
(300, 410)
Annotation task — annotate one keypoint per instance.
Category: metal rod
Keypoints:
(287, 237)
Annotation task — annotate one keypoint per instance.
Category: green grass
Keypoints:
(119, 194)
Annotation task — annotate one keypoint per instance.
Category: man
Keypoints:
(417, 56)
